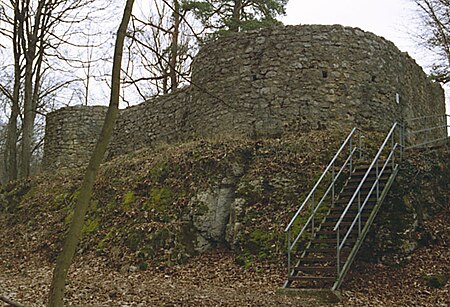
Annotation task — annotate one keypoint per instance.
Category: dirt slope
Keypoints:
(132, 196)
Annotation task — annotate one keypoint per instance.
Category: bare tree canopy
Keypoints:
(37, 36)
(161, 49)
(435, 15)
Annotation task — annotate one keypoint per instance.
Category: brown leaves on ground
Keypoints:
(374, 284)
(211, 279)
(214, 279)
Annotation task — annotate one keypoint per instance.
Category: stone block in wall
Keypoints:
(264, 83)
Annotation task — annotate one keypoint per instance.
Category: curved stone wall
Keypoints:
(71, 134)
(266, 83)
(310, 77)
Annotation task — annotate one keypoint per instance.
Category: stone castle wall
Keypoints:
(264, 83)
(71, 134)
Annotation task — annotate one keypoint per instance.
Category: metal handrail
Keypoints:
(365, 177)
(427, 143)
(425, 129)
(331, 187)
(374, 185)
(390, 135)
(424, 132)
(322, 176)
(323, 198)
(423, 117)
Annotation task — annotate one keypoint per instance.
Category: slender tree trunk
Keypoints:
(174, 46)
(28, 122)
(64, 260)
(164, 86)
(11, 138)
(86, 88)
(236, 18)
(11, 141)
(29, 111)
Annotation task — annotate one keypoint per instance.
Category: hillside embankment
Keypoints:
(201, 223)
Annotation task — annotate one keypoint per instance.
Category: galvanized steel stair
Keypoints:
(326, 232)
(337, 221)
(317, 266)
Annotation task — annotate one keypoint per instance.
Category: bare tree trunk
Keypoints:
(29, 113)
(11, 143)
(11, 138)
(64, 260)
(236, 18)
(174, 46)
(28, 123)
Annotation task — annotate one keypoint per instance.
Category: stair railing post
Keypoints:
(289, 251)
(392, 148)
(338, 260)
(351, 156)
(359, 213)
(312, 212)
(393, 159)
(360, 144)
(377, 181)
(393, 153)
(402, 140)
(406, 134)
(332, 186)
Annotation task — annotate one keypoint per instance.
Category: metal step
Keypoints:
(367, 165)
(349, 216)
(333, 223)
(366, 186)
(312, 278)
(331, 241)
(349, 194)
(326, 250)
(322, 269)
(319, 258)
(353, 211)
(373, 171)
(323, 259)
(323, 232)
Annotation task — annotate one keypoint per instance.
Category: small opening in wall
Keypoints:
(374, 78)
(324, 73)
(254, 77)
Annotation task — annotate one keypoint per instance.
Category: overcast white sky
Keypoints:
(395, 20)
(392, 19)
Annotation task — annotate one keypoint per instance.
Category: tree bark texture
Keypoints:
(32, 35)
(11, 137)
(64, 260)
(174, 46)
(236, 17)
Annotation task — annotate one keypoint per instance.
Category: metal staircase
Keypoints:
(328, 229)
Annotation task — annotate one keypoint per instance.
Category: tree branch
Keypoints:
(10, 302)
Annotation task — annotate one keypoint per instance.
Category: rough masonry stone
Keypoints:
(260, 84)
